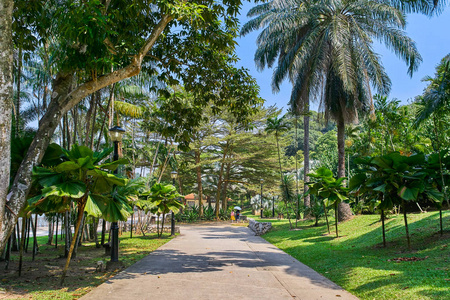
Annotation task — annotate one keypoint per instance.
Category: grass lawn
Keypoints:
(358, 262)
(40, 279)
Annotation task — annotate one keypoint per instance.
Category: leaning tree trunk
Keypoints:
(62, 101)
(6, 102)
(74, 238)
(344, 209)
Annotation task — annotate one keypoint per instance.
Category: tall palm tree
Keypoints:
(325, 48)
(277, 43)
(277, 126)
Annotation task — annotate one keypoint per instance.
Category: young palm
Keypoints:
(325, 49)
(277, 126)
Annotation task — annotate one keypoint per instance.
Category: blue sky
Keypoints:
(432, 37)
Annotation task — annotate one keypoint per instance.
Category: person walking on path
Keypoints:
(232, 216)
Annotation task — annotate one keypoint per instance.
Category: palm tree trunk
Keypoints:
(307, 199)
(344, 209)
(279, 158)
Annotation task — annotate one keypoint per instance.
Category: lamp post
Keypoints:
(173, 175)
(116, 134)
(261, 181)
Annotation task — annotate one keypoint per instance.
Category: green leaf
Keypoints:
(104, 181)
(71, 189)
(98, 156)
(435, 195)
(67, 166)
(112, 166)
(80, 151)
(382, 162)
(46, 177)
(408, 194)
(357, 181)
(91, 208)
(380, 188)
(85, 162)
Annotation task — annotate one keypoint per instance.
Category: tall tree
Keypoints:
(277, 126)
(94, 35)
(331, 48)
(6, 101)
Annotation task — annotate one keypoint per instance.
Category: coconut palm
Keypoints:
(325, 49)
(277, 126)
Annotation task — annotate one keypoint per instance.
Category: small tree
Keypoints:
(328, 188)
(164, 199)
(81, 180)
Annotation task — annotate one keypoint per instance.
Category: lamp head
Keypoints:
(173, 174)
(261, 181)
(116, 133)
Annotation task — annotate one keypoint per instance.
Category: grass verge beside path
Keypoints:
(40, 279)
(358, 262)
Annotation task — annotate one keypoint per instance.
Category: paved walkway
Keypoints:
(218, 262)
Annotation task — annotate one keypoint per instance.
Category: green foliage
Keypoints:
(329, 189)
(393, 179)
(371, 271)
(163, 199)
(81, 178)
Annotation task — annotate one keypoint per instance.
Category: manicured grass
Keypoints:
(40, 279)
(358, 262)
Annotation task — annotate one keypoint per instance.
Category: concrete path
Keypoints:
(218, 262)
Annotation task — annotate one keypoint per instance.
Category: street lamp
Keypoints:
(173, 175)
(116, 134)
(261, 181)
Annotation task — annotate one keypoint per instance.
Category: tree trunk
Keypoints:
(6, 102)
(19, 75)
(307, 199)
(35, 243)
(102, 241)
(279, 158)
(406, 225)
(199, 181)
(74, 240)
(88, 120)
(62, 101)
(296, 171)
(50, 231)
(384, 231)
(22, 244)
(345, 212)
(225, 186)
(67, 234)
(219, 182)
